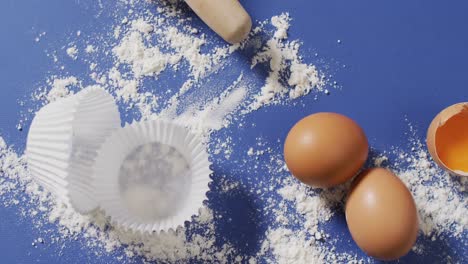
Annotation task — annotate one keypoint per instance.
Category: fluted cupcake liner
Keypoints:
(152, 176)
(63, 141)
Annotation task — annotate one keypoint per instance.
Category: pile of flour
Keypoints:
(145, 49)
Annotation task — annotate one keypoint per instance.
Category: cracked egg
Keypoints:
(447, 139)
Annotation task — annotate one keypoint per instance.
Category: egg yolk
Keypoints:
(452, 142)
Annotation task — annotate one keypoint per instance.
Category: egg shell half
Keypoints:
(434, 136)
(381, 214)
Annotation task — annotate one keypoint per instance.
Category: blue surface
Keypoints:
(402, 59)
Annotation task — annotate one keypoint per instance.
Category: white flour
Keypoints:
(283, 56)
(145, 61)
(185, 46)
(213, 115)
(90, 49)
(60, 88)
(72, 52)
(145, 47)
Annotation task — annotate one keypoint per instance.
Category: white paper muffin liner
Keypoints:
(152, 176)
(63, 141)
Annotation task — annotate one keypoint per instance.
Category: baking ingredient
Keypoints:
(177, 46)
(284, 58)
(325, 149)
(145, 61)
(381, 214)
(447, 139)
(226, 17)
(72, 52)
(60, 88)
(212, 116)
(311, 210)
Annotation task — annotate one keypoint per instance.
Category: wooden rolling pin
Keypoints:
(225, 17)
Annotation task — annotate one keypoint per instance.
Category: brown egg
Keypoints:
(447, 139)
(381, 214)
(325, 149)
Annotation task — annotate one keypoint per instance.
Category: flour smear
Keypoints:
(213, 90)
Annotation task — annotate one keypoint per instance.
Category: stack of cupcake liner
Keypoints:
(148, 176)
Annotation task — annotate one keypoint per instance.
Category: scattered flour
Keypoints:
(145, 61)
(284, 58)
(213, 115)
(142, 26)
(39, 37)
(291, 247)
(311, 209)
(60, 88)
(72, 52)
(90, 49)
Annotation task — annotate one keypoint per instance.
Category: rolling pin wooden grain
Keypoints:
(225, 17)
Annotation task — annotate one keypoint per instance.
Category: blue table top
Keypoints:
(402, 60)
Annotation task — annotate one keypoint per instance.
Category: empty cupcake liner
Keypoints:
(63, 141)
(152, 176)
